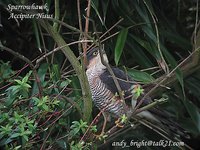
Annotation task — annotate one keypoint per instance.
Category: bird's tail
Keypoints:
(164, 123)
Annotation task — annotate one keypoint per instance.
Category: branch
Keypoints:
(105, 63)
(16, 54)
(57, 49)
(171, 75)
(57, 14)
(153, 104)
(77, 67)
(86, 30)
(163, 63)
(80, 24)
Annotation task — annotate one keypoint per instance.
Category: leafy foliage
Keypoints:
(120, 44)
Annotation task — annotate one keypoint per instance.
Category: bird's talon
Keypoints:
(118, 123)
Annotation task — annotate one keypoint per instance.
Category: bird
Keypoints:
(106, 97)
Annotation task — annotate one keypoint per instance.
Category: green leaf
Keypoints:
(121, 39)
(5, 141)
(45, 107)
(62, 143)
(17, 147)
(76, 130)
(65, 83)
(27, 132)
(6, 130)
(36, 32)
(194, 113)
(41, 73)
(94, 5)
(27, 86)
(140, 76)
(15, 135)
(5, 70)
(94, 128)
(137, 91)
(146, 45)
(18, 81)
(75, 84)
(175, 38)
(105, 8)
(25, 137)
(137, 52)
(25, 79)
(55, 72)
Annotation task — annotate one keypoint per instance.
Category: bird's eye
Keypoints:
(95, 53)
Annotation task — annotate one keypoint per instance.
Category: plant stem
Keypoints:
(57, 14)
(87, 109)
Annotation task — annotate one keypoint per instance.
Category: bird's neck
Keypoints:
(95, 70)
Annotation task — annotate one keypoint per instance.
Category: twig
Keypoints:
(117, 133)
(37, 79)
(93, 121)
(164, 134)
(79, 15)
(69, 27)
(196, 41)
(57, 49)
(103, 40)
(153, 104)
(86, 30)
(109, 68)
(114, 78)
(42, 38)
(15, 75)
(63, 17)
(77, 67)
(80, 27)
(164, 79)
(110, 36)
(165, 67)
(53, 124)
(112, 27)
(44, 142)
(73, 103)
(107, 32)
(16, 54)
(57, 14)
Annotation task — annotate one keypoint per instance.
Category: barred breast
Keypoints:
(103, 98)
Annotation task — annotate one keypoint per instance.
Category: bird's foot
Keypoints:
(118, 123)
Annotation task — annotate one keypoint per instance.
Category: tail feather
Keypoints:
(164, 121)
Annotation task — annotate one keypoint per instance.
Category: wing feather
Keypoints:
(123, 79)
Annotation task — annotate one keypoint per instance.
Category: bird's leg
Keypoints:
(118, 123)
(106, 118)
(121, 121)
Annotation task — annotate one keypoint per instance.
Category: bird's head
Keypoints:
(94, 59)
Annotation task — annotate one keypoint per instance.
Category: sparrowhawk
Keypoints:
(106, 97)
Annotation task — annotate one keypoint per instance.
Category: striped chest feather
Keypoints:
(102, 97)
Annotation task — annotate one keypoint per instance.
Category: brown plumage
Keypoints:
(105, 93)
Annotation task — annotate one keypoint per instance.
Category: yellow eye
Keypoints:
(95, 53)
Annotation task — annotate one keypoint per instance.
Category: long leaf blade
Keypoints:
(121, 39)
